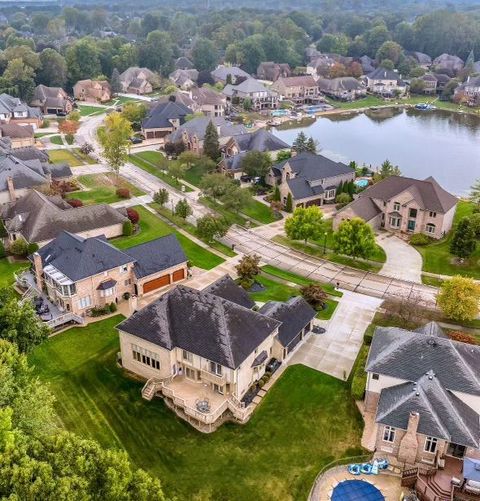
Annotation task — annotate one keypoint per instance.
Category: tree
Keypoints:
(204, 55)
(300, 142)
(336, 43)
(387, 64)
(134, 113)
(306, 223)
(133, 215)
(247, 104)
(161, 197)
(311, 145)
(211, 145)
(114, 139)
(256, 163)
(354, 238)
(464, 240)
(83, 60)
(289, 203)
(20, 77)
(157, 52)
(314, 295)
(19, 323)
(474, 195)
(459, 298)
(343, 199)
(215, 185)
(115, 82)
(177, 170)
(18, 247)
(474, 223)
(247, 269)
(283, 155)
(210, 227)
(53, 70)
(387, 169)
(127, 229)
(389, 50)
(183, 209)
(68, 126)
(276, 194)
(417, 86)
(235, 198)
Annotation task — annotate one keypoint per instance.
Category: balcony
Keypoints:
(213, 378)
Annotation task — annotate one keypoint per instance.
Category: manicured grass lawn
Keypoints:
(7, 270)
(307, 420)
(359, 103)
(328, 312)
(149, 167)
(151, 227)
(194, 174)
(260, 212)
(437, 257)
(59, 156)
(154, 157)
(101, 189)
(433, 281)
(86, 110)
(56, 140)
(231, 217)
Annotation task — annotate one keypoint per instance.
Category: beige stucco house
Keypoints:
(203, 351)
(403, 204)
(387, 83)
(79, 273)
(299, 90)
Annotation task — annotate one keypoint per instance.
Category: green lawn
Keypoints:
(149, 167)
(151, 227)
(101, 189)
(7, 270)
(86, 110)
(231, 217)
(328, 312)
(260, 212)
(365, 102)
(437, 257)
(56, 140)
(194, 174)
(306, 421)
(60, 156)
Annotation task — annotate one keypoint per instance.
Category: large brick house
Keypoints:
(261, 98)
(51, 100)
(299, 90)
(387, 83)
(403, 204)
(164, 118)
(92, 91)
(13, 110)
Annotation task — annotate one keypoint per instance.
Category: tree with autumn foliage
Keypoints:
(68, 127)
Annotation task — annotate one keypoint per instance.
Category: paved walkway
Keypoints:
(335, 351)
(403, 260)
(371, 284)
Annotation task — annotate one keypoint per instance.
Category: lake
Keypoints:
(436, 143)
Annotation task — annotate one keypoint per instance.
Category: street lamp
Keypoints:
(325, 243)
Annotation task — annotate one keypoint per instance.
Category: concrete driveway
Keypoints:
(403, 260)
(335, 351)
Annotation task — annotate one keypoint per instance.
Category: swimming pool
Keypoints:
(361, 183)
(356, 490)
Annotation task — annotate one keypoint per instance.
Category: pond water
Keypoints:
(437, 143)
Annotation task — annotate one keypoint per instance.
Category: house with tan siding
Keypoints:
(299, 90)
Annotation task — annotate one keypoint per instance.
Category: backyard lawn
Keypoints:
(152, 227)
(437, 257)
(307, 420)
(101, 189)
(73, 157)
(7, 270)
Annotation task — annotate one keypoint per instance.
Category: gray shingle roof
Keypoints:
(156, 255)
(363, 207)
(160, 116)
(198, 126)
(226, 288)
(339, 84)
(222, 72)
(108, 284)
(442, 414)
(301, 188)
(295, 314)
(408, 355)
(260, 140)
(201, 323)
(383, 74)
(428, 193)
(183, 63)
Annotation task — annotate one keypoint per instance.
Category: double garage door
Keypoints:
(162, 281)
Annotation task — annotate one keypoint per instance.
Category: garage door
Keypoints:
(178, 275)
(156, 284)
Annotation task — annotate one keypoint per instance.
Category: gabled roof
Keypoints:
(222, 72)
(160, 116)
(294, 314)
(427, 193)
(78, 258)
(441, 413)
(205, 95)
(383, 74)
(16, 131)
(339, 84)
(226, 288)
(363, 207)
(248, 86)
(198, 126)
(408, 355)
(23, 153)
(299, 81)
(201, 323)
(260, 140)
(183, 63)
(136, 77)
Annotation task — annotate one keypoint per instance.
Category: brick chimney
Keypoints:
(409, 444)
(37, 263)
(11, 189)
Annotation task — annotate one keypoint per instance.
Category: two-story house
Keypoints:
(163, 119)
(13, 110)
(430, 83)
(423, 397)
(92, 91)
(203, 350)
(310, 179)
(79, 273)
(471, 90)
(387, 83)
(260, 97)
(204, 100)
(51, 100)
(343, 88)
(403, 204)
(299, 90)
(271, 71)
(229, 75)
(135, 80)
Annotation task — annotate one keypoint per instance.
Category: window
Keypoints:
(412, 213)
(376, 377)
(431, 444)
(145, 357)
(124, 268)
(128, 282)
(85, 302)
(218, 388)
(394, 222)
(432, 213)
(186, 355)
(430, 228)
(215, 368)
(107, 292)
(389, 434)
(330, 194)
(396, 206)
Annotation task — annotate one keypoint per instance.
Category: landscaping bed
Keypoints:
(304, 422)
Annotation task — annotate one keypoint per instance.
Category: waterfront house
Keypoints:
(470, 89)
(80, 273)
(164, 118)
(403, 204)
(271, 71)
(51, 100)
(310, 179)
(299, 90)
(387, 83)
(92, 91)
(204, 100)
(229, 74)
(343, 88)
(261, 98)
(204, 351)
(448, 64)
(430, 83)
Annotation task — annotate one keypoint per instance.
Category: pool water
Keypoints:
(361, 183)
(356, 490)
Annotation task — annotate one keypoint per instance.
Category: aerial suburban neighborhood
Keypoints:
(240, 250)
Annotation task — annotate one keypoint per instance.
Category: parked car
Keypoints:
(136, 140)
(61, 114)
(245, 179)
(273, 365)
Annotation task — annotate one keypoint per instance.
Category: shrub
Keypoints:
(86, 148)
(45, 123)
(19, 247)
(123, 193)
(133, 215)
(112, 307)
(32, 248)
(261, 384)
(420, 239)
(98, 312)
(343, 199)
(127, 228)
(2, 250)
(3, 230)
(368, 336)
(69, 138)
(75, 202)
(359, 380)
(314, 295)
(463, 337)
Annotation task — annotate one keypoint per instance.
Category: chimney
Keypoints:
(11, 189)
(37, 263)
(407, 451)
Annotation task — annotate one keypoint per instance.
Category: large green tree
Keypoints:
(157, 52)
(305, 224)
(83, 60)
(204, 55)
(459, 298)
(53, 71)
(210, 227)
(256, 163)
(114, 139)
(354, 238)
(464, 240)
(211, 144)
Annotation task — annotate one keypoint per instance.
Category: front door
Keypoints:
(411, 225)
(457, 451)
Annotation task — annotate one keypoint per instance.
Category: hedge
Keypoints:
(359, 380)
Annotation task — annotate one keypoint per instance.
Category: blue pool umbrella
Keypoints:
(356, 490)
(471, 469)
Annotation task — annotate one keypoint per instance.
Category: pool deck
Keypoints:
(387, 483)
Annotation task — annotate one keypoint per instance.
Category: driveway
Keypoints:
(334, 352)
(403, 260)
